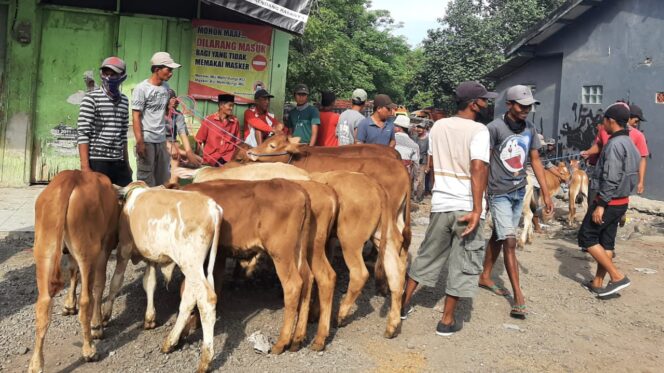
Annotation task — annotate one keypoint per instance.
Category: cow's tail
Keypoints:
(584, 191)
(58, 209)
(386, 222)
(407, 233)
(217, 219)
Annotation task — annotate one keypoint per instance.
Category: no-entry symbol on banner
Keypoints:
(259, 62)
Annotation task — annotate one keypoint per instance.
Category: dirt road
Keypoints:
(568, 329)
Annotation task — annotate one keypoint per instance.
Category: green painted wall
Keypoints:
(44, 79)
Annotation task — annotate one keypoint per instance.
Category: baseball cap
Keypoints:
(471, 90)
(114, 63)
(359, 95)
(262, 93)
(550, 141)
(381, 100)
(163, 59)
(402, 121)
(618, 112)
(636, 112)
(301, 88)
(521, 94)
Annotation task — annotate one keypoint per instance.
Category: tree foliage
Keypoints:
(471, 41)
(346, 46)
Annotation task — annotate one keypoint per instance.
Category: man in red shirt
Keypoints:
(219, 133)
(327, 133)
(636, 116)
(255, 131)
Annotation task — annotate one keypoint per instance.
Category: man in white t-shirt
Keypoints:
(459, 147)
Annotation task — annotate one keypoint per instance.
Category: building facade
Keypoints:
(50, 51)
(582, 58)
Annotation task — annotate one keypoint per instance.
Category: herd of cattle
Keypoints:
(278, 199)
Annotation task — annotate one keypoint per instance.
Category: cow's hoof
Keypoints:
(317, 346)
(390, 333)
(277, 349)
(149, 324)
(341, 322)
(295, 346)
(69, 311)
(97, 332)
(90, 355)
(167, 347)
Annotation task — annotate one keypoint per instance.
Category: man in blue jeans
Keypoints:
(513, 140)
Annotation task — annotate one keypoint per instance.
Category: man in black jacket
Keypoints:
(617, 176)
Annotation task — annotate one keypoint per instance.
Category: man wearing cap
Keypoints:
(616, 178)
(376, 129)
(459, 148)
(303, 119)
(350, 119)
(407, 148)
(149, 103)
(602, 138)
(103, 122)
(220, 133)
(421, 138)
(513, 141)
(258, 130)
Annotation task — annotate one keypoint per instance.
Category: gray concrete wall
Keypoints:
(617, 45)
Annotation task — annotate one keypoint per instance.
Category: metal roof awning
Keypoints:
(289, 15)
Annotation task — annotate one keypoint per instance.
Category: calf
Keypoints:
(165, 227)
(267, 216)
(578, 185)
(79, 210)
(531, 200)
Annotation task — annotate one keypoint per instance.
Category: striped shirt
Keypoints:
(103, 124)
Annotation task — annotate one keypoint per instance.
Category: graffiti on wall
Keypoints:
(580, 134)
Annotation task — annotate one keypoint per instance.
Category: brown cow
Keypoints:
(578, 184)
(79, 210)
(270, 216)
(361, 200)
(529, 200)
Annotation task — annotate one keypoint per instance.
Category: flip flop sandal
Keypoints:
(519, 311)
(497, 290)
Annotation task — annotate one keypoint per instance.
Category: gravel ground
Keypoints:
(567, 329)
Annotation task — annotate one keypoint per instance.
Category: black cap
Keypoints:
(382, 100)
(262, 93)
(618, 112)
(636, 112)
(301, 88)
(225, 98)
(471, 90)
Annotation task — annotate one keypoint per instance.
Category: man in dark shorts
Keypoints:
(616, 177)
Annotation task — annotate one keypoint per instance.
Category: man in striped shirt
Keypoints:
(103, 121)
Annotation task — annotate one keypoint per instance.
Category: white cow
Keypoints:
(171, 226)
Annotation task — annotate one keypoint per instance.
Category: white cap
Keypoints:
(402, 121)
(359, 95)
(163, 59)
(520, 94)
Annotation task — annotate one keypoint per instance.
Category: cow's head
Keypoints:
(278, 148)
(241, 152)
(564, 171)
(574, 165)
(125, 192)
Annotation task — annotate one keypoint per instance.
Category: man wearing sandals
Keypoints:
(513, 141)
(459, 147)
(616, 177)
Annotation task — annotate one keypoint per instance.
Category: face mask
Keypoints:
(483, 115)
(112, 85)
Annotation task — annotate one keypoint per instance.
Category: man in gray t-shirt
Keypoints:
(149, 103)
(513, 141)
(349, 119)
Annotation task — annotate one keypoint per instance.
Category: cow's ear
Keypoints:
(294, 140)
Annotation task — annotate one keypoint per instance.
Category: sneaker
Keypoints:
(405, 312)
(447, 330)
(588, 285)
(614, 287)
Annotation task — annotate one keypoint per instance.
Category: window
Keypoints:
(592, 94)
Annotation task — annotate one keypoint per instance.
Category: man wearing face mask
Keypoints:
(103, 121)
(513, 141)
